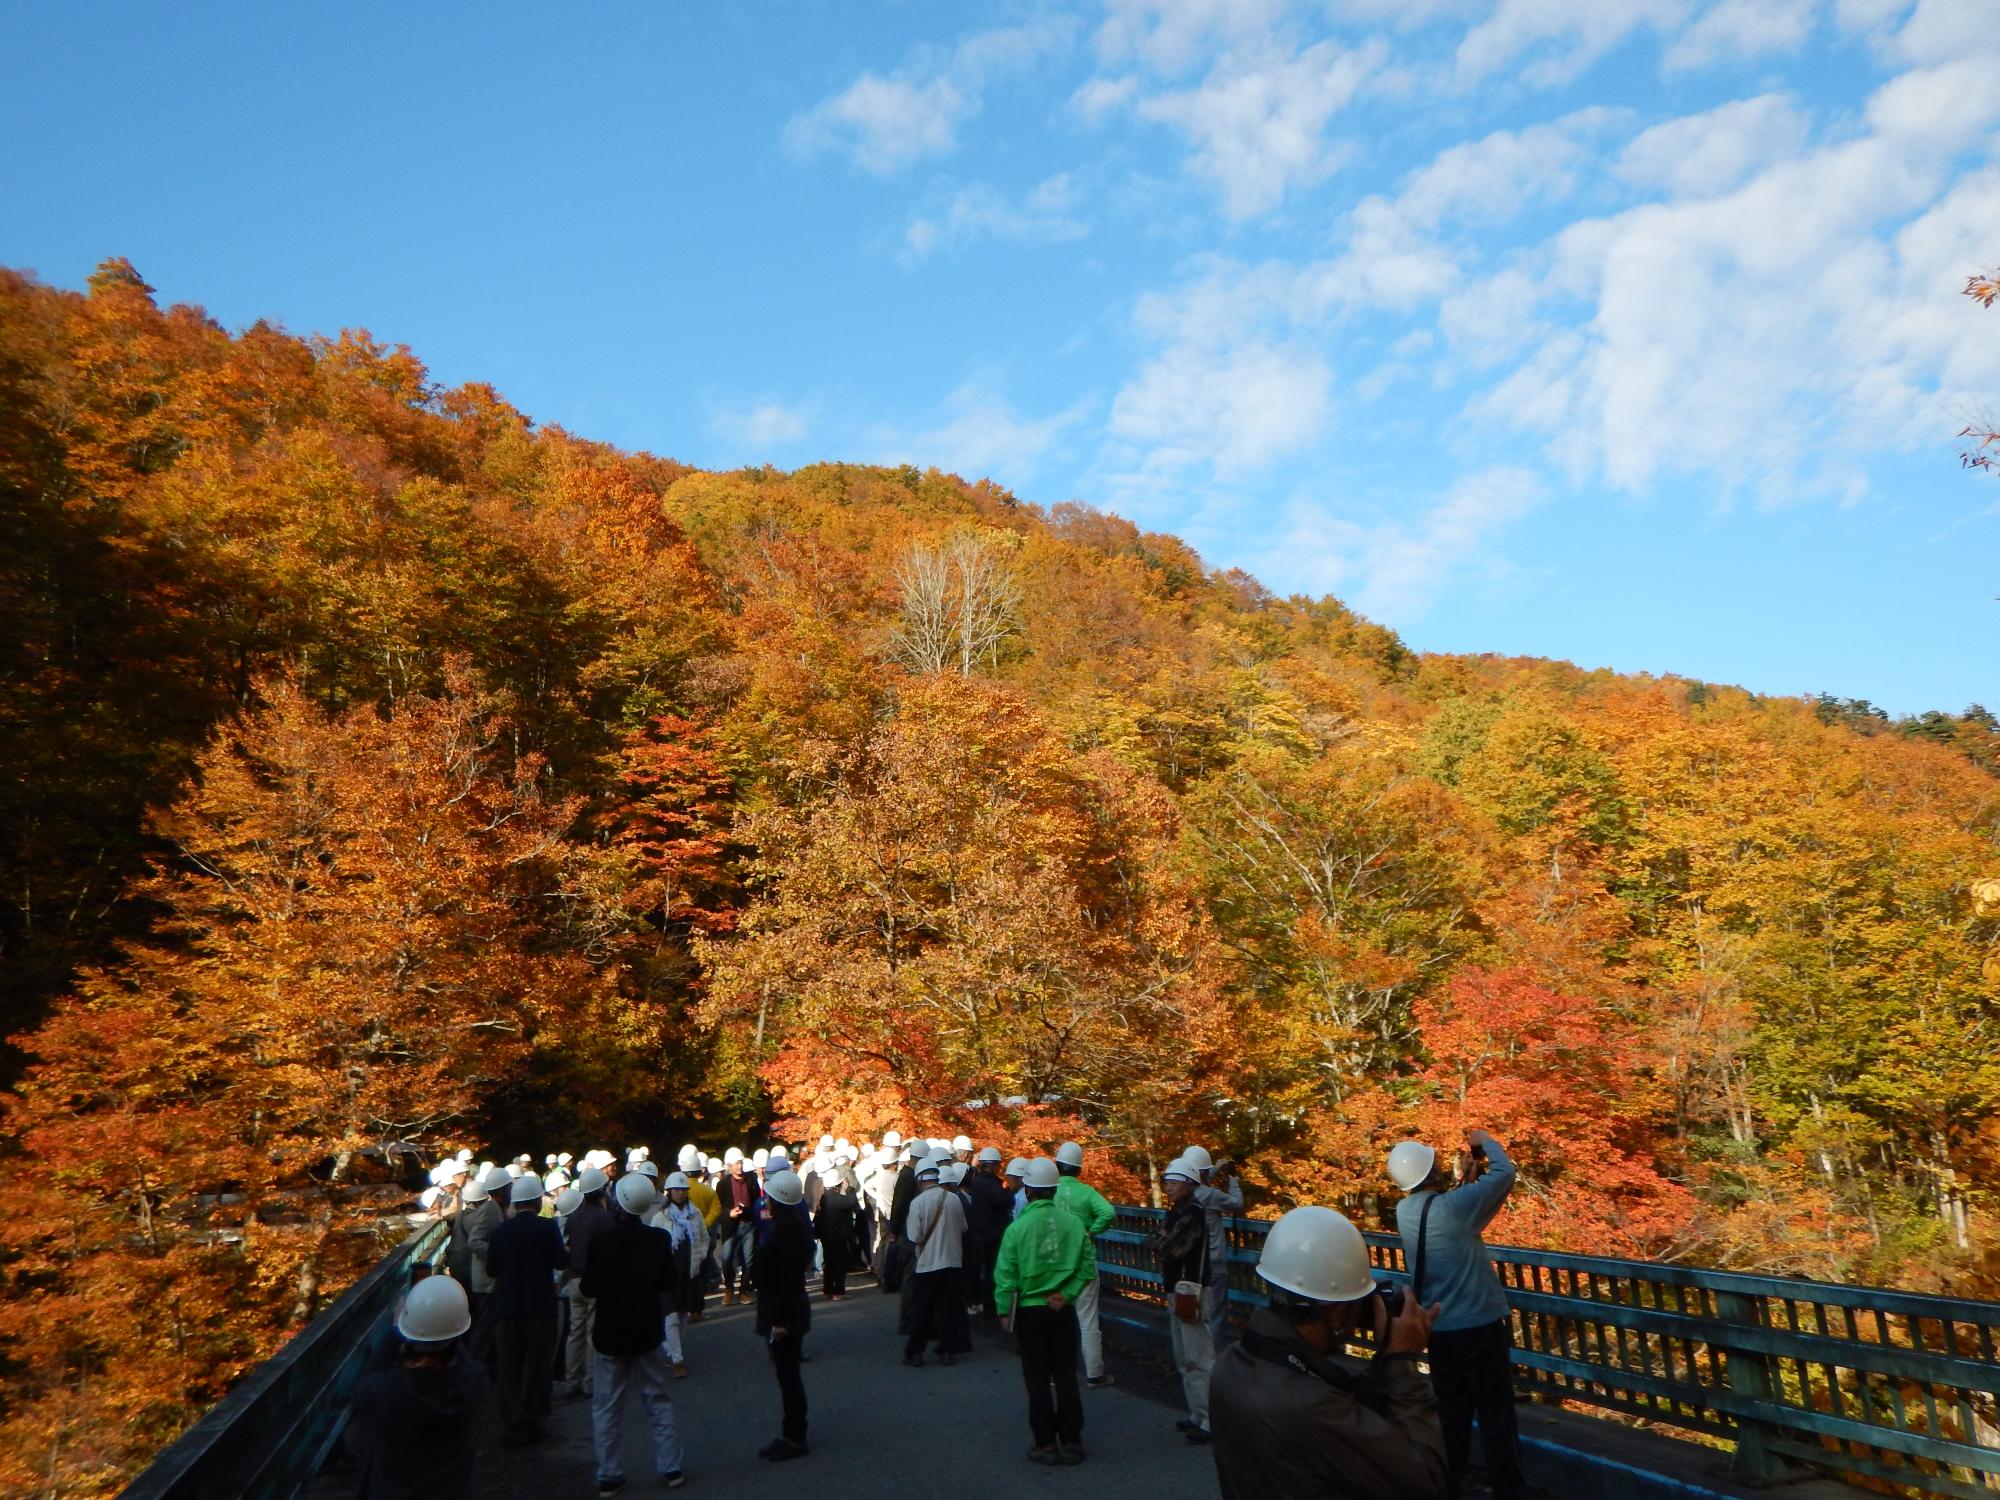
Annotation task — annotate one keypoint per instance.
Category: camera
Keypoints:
(1392, 1297)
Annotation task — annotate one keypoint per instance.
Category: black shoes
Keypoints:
(778, 1450)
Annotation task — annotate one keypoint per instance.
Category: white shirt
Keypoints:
(937, 1229)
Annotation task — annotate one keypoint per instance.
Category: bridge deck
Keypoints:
(959, 1432)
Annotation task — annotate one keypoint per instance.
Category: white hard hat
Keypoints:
(465, 1153)
(549, 1161)
(1410, 1162)
(733, 1155)
(636, 1195)
(1040, 1173)
(436, 1310)
(591, 1180)
(1182, 1168)
(568, 1201)
(1317, 1254)
(525, 1159)
(486, 1168)
(1017, 1166)
(826, 1143)
(675, 1180)
(777, 1154)
(1070, 1154)
(564, 1159)
(428, 1196)
(527, 1188)
(475, 1191)
(556, 1181)
(844, 1157)
(989, 1153)
(785, 1187)
(497, 1179)
(645, 1169)
(892, 1139)
(515, 1169)
(444, 1171)
(1198, 1158)
(843, 1144)
(760, 1158)
(690, 1159)
(961, 1143)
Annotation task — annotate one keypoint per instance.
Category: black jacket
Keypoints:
(415, 1431)
(733, 1192)
(631, 1267)
(899, 1205)
(990, 1209)
(782, 1263)
(527, 1252)
(837, 1209)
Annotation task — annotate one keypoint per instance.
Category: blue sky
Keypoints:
(1624, 331)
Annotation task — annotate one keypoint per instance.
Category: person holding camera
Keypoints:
(1183, 1250)
(1289, 1422)
(1220, 1195)
(1473, 1338)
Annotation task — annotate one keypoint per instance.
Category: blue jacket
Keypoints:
(1457, 1271)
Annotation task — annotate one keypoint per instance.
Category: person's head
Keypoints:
(525, 1197)
(677, 1189)
(435, 1316)
(1039, 1178)
(927, 1175)
(732, 1160)
(636, 1195)
(784, 1186)
(1016, 1170)
(592, 1182)
(961, 1147)
(1198, 1158)
(988, 1160)
(1316, 1265)
(1416, 1168)
(1069, 1158)
(1178, 1180)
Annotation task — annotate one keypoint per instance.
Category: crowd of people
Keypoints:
(582, 1277)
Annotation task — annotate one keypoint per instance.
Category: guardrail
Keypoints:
(267, 1438)
(1879, 1385)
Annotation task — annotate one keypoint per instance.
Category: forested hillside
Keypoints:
(379, 765)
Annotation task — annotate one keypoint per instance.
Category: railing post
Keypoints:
(1749, 1375)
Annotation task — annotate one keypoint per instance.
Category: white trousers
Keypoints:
(610, 1375)
(1194, 1357)
(1093, 1336)
(671, 1347)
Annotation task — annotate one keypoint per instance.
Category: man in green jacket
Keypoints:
(1046, 1267)
(1096, 1216)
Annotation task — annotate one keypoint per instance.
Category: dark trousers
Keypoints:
(1049, 1343)
(527, 1350)
(906, 1306)
(785, 1356)
(834, 1250)
(938, 1311)
(981, 1257)
(1472, 1373)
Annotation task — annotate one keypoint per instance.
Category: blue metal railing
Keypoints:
(267, 1438)
(1883, 1385)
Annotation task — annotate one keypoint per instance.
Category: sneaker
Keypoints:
(673, 1479)
(1044, 1456)
(1187, 1424)
(611, 1486)
(787, 1449)
(770, 1449)
(1198, 1435)
(680, 1369)
(914, 1360)
(1071, 1453)
(1099, 1382)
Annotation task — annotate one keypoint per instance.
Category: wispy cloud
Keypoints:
(759, 427)
(980, 435)
(1046, 214)
(886, 122)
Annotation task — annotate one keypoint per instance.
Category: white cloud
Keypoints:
(885, 123)
(1558, 38)
(1494, 178)
(1946, 106)
(1045, 215)
(1396, 569)
(1170, 36)
(983, 437)
(1738, 30)
(1228, 409)
(1939, 30)
(1258, 126)
(1100, 97)
(760, 426)
(1701, 155)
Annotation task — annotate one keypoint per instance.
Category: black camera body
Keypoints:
(1392, 1297)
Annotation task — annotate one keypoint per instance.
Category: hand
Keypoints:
(1410, 1330)
(1480, 1139)
(1057, 1302)
(779, 1335)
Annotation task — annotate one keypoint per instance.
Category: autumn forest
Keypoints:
(381, 767)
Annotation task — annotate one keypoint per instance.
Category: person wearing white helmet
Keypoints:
(1184, 1273)
(936, 1229)
(702, 1196)
(471, 1240)
(836, 1224)
(1219, 1192)
(631, 1279)
(784, 1307)
(580, 1229)
(527, 1254)
(989, 1209)
(414, 1426)
(1473, 1339)
(1046, 1260)
(1096, 1215)
(902, 1271)
(961, 1148)
(678, 1215)
(1010, 1178)
(738, 1193)
(1292, 1421)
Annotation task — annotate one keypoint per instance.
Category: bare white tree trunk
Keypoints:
(960, 604)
